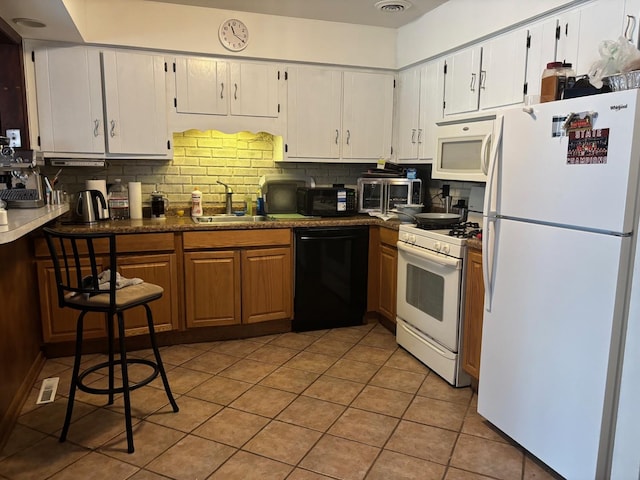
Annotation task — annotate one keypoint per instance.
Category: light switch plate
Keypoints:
(14, 138)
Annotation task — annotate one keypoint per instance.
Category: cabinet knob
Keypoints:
(472, 86)
(348, 136)
(235, 91)
(413, 135)
(96, 127)
(112, 132)
(221, 90)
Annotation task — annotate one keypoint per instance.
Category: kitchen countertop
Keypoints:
(23, 221)
(186, 224)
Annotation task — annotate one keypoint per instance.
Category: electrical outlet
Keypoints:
(14, 138)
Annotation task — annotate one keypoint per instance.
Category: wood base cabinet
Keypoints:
(473, 313)
(234, 277)
(383, 272)
(148, 256)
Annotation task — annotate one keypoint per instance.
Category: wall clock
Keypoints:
(234, 35)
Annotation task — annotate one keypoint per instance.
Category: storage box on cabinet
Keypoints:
(149, 256)
(234, 277)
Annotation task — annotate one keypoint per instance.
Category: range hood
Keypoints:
(76, 162)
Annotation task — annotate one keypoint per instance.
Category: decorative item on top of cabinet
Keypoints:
(473, 312)
(486, 76)
(257, 268)
(415, 120)
(148, 256)
(335, 114)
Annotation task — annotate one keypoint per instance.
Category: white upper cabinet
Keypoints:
(69, 99)
(334, 114)
(542, 50)
(487, 76)
(462, 81)
(202, 86)
(502, 76)
(214, 87)
(254, 89)
(314, 112)
(135, 103)
(419, 105)
(367, 115)
(86, 110)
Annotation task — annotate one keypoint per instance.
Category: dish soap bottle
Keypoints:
(118, 201)
(196, 203)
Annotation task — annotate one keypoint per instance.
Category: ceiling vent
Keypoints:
(392, 6)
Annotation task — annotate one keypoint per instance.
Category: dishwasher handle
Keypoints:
(333, 237)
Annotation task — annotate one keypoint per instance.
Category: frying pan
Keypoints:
(435, 219)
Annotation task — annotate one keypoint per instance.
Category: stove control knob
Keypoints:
(412, 239)
(404, 236)
(445, 248)
(437, 246)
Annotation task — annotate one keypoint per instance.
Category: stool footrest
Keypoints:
(107, 391)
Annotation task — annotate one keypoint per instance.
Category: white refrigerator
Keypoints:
(560, 240)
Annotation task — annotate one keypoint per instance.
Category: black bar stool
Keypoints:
(83, 287)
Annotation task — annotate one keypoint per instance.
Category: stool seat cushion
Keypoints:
(133, 294)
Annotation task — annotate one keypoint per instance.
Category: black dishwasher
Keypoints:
(330, 277)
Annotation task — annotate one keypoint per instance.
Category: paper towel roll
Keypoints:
(135, 200)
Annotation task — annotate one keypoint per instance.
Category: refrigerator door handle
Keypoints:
(488, 247)
(485, 154)
(493, 160)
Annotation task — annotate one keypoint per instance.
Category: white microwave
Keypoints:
(463, 150)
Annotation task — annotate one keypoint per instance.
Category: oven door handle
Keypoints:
(425, 254)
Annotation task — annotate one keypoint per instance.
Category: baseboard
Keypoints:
(13, 412)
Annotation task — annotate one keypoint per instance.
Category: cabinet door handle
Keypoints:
(221, 90)
(419, 135)
(483, 78)
(348, 136)
(413, 135)
(112, 132)
(472, 86)
(235, 91)
(337, 135)
(96, 126)
(630, 29)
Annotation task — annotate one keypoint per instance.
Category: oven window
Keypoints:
(425, 291)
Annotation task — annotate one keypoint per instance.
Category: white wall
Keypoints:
(163, 26)
(459, 22)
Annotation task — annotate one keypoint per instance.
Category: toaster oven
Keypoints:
(384, 194)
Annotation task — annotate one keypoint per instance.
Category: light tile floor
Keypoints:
(334, 404)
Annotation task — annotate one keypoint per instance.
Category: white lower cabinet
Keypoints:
(339, 115)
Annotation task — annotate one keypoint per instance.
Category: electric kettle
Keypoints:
(90, 206)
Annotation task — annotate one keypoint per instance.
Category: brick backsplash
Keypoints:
(238, 159)
(202, 158)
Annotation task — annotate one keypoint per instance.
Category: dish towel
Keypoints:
(105, 284)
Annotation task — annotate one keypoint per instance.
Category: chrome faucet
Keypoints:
(229, 197)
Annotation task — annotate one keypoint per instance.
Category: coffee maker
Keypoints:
(20, 181)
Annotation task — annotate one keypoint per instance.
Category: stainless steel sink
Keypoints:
(223, 218)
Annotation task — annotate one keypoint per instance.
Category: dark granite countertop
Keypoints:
(186, 224)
